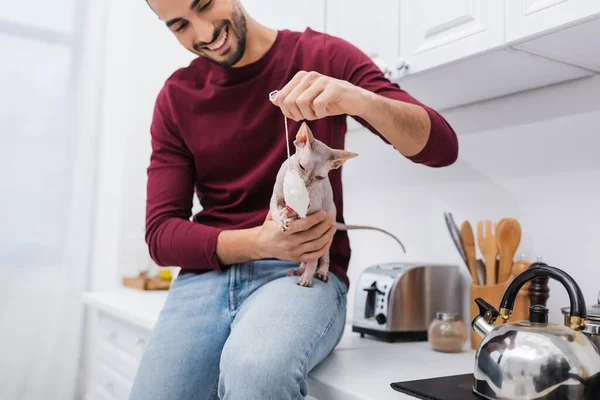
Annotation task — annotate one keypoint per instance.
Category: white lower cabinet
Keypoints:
(116, 343)
(116, 350)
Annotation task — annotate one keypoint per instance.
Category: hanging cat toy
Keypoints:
(295, 192)
(296, 196)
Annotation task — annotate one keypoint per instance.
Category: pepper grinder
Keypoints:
(538, 289)
(521, 308)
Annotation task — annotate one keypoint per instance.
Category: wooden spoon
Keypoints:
(466, 232)
(508, 238)
(487, 246)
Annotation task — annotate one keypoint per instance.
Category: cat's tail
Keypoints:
(344, 227)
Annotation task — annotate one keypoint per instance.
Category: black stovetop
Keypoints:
(455, 387)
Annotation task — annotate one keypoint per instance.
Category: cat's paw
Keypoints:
(284, 220)
(305, 280)
(293, 272)
(322, 276)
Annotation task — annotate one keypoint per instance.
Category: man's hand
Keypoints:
(306, 240)
(310, 96)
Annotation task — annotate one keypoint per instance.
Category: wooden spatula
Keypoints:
(487, 246)
(466, 232)
(508, 238)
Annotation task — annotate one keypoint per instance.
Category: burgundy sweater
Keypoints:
(215, 132)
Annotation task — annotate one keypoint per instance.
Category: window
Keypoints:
(36, 130)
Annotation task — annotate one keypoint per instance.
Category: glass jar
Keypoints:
(447, 333)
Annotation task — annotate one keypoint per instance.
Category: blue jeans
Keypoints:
(248, 333)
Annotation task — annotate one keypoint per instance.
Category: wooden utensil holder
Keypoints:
(492, 294)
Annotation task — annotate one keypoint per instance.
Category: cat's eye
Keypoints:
(320, 177)
(301, 167)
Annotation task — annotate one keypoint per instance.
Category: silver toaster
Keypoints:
(398, 301)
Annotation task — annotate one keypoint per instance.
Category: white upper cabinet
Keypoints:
(435, 32)
(374, 30)
(457, 52)
(530, 17)
(288, 14)
(561, 30)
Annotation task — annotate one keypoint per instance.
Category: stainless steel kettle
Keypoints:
(535, 359)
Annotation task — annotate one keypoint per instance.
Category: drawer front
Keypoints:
(128, 338)
(122, 362)
(99, 393)
(109, 382)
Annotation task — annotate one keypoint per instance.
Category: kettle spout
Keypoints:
(483, 323)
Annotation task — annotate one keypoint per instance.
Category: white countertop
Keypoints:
(357, 369)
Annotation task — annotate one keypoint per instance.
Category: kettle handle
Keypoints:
(578, 306)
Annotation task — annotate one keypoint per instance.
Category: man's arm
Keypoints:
(360, 89)
(174, 240)
(406, 126)
(238, 246)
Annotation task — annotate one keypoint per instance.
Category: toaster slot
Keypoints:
(371, 301)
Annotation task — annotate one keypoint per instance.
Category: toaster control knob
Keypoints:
(381, 319)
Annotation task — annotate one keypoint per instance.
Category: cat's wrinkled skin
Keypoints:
(312, 161)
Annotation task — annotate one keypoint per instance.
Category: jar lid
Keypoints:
(446, 316)
(593, 312)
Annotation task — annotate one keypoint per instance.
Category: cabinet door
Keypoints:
(288, 14)
(374, 30)
(435, 32)
(528, 17)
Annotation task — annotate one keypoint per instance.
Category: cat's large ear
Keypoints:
(304, 136)
(339, 157)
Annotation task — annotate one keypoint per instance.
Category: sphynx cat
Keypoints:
(312, 161)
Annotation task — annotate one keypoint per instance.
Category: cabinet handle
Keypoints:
(401, 67)
(399, 70)
(401, 64)
(387, 71)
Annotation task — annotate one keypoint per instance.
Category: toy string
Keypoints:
(272, 97)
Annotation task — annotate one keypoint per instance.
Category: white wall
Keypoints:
(140, 55)
(531, 156)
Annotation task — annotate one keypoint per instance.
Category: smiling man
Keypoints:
(235, 326)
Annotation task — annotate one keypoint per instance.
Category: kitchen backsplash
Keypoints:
(533, 156)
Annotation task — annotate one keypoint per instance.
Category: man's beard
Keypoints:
(238, 26)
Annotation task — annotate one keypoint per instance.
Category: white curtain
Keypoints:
(49, 75)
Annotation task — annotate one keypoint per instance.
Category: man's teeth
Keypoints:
(220, 43)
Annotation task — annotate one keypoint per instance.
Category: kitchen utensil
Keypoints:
(521, 311)
(490, 293)
(397, 301)
(508, 238)
(456, 237)
(489, 250)
(535, 359)
(468, 241)
(592, 328)
(481, 271)
(447, 333)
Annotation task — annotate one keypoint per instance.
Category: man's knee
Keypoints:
(251, 372)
